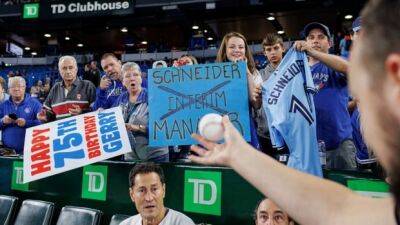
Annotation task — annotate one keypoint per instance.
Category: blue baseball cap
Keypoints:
(315, 25)
(357, 24)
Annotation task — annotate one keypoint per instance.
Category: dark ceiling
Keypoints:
(173, 28)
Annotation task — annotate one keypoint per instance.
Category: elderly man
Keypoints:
(268, 213)
(18, 113)
(71, 96)
(147, 191)
(111, 86)
(375, 82)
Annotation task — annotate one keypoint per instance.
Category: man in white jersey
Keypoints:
(147, 191)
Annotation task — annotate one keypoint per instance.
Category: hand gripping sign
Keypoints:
(180, 96)
(74, 142)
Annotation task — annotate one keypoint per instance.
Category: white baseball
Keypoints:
(210, 127)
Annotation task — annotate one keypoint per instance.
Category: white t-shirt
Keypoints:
(172, 218)
(257, 78)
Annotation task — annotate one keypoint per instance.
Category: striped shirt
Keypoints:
(59, 100)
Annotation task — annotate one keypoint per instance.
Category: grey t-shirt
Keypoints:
(172, 218)
(259, 114)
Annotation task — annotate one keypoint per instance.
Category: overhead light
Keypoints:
(348, 17)
(281, 32)
(27, 48)
(210, 5)
(107, 27)
(210, 38)
(130, 44)
(124, 30)
(205, 31)
(270, 18)
(47, 35)
(67, 38)
(170, 7)
(79, 45)
(144, 42)
(33, 53)
(195, 27)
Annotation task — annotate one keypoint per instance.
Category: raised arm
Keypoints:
(308, 199)
(335, 62)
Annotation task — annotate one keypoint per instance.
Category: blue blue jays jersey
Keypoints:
(288, 103)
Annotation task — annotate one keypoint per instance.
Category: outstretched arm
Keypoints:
(333, 61)
(308, 199)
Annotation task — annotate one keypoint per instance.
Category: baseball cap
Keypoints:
(315, 25)
(357, 24)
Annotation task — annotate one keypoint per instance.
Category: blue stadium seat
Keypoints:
(8, 204)
(118, 218)
(34, 212)
(72, 215)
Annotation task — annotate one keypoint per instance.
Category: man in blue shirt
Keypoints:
(111, 86)
(329, 75)
(290, 111)
(18, 113)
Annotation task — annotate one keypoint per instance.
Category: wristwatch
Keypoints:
(141, 127)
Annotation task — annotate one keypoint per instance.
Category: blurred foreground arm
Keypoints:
(307, 199)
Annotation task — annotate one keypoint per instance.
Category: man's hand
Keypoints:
(41, 116)
(76, 110)
(7, 120)
(220, 154)
(21, 122)
(132, 127)
(104, 83)
(302, 46)
(257, 93)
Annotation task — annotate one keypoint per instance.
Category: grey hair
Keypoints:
(18, 79)
(65, 57)
(130, 66)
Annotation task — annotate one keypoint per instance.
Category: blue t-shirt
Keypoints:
(106, 98)
(289, 106)
(362, 154)
(333, 119)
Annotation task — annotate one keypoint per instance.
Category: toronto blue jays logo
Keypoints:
(320, 80)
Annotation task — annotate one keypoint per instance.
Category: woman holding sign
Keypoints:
(234, 48)
(134, 107)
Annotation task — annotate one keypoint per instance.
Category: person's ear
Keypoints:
(132, 194)
(164, 188)
(392, 67)
(392, 86)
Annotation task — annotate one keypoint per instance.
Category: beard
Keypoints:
(392, 141)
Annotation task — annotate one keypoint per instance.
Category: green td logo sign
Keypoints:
(94, 182)
(202, 192)
(31, 11)
(371, 188)
(17, 177)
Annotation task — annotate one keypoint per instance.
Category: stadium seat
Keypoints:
(8, 204)
(118, 218)
(34, 212)
(72, 215)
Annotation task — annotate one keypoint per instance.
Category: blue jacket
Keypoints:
(13, 136)
(106, 98)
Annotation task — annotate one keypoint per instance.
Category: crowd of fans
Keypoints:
(125, 86)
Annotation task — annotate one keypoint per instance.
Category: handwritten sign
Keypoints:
(74, 142)
(180, 96)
